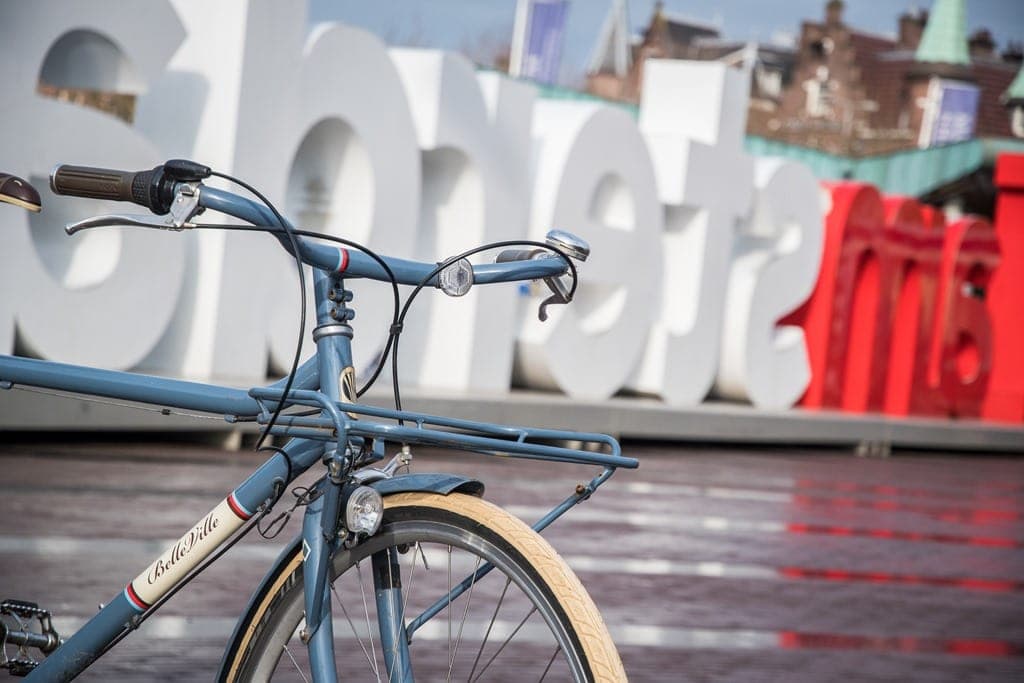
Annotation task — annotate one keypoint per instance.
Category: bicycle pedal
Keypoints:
(18, 631)
(20, 667)
(22, 608)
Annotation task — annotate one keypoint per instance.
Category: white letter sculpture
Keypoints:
(692, 117)
(475, 135)
(593, 177)
(320, 123)
(102, 298)
(774, 271)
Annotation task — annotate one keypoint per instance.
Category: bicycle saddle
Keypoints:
(14, 190)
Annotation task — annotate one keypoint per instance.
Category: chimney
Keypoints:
(834, 12)
(1014, 52)
(911, 27)
(980, 44)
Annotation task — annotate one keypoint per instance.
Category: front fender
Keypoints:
(431, 482)
(443, 484)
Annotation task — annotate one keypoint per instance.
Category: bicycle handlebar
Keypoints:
(154, 189)
(353, 263)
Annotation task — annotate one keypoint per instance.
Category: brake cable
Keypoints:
(449, 261)
(398, 318)
(302, 296)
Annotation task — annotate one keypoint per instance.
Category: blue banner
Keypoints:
(542, 42)
(955, 114)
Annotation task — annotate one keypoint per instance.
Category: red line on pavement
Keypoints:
(966, 583)
(963, 647)
(913, 536)
(978, 517)
(1007, 491)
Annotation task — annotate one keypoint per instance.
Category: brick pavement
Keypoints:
(708, 564)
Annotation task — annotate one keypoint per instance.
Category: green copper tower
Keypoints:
(945, 35)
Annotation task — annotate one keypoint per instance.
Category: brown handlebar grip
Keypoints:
(95, 183)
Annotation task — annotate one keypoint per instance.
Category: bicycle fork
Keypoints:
(320, 539)
(387, 585)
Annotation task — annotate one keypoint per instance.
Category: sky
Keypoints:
(481, 28)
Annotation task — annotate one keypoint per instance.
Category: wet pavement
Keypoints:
(709, 564)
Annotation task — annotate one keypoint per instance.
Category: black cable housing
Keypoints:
(398, 317)
(392, 279)
(302, 296)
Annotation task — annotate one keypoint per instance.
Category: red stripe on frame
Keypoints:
(237, 509)
(344, 261)
(134, 597)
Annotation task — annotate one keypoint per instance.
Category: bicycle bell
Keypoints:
(573, 245)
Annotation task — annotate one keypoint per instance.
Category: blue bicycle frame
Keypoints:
(326, 383)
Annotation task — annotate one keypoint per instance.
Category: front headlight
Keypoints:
(364, 510)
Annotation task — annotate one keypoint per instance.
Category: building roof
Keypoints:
(676, 34)
(613, 52)
(945, 34)
(883, 66)
(683, 20)
(1016, 89)
(912, 172)
(992, 77)
(869, 43)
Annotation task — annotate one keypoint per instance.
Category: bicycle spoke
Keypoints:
(297, 667)
(424, 556)
(503, 629)
(372, 661)
(407, 586)
(465, 613)
(487, 633)
(369, 626)
(548, 667)
(412, 575)
(449, 610)
(507, 641)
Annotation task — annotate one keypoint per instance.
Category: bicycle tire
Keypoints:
(459, 522)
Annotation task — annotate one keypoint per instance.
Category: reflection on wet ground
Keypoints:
(708, 564)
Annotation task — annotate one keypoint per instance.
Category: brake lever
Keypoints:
(542, 312)
(184, 207)
(559, 296)
(125, 219)
(565, 245)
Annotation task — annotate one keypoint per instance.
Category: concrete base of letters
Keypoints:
(626, 418)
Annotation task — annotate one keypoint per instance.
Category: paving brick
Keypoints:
(709, 564)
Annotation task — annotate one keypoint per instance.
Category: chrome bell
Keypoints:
(571, 244)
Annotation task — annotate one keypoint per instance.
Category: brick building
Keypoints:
(860, 94)
(616, 67)
(842, 90)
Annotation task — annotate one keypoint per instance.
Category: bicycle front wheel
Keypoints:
(527, 619)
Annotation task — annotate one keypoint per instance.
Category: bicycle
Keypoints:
(339, 595)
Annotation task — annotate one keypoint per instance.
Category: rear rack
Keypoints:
(338, 421)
